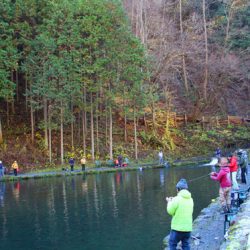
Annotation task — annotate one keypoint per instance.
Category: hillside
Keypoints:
(99, 78)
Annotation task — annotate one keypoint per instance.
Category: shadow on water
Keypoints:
(107, 211)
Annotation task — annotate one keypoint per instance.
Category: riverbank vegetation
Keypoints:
(101, 78)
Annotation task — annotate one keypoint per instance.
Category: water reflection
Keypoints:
(37, 224)
(16, 190)
(118, 178)
(84, 185)
(114, 199)
(2, 193)
(162, 177)
(65, 207)
(139, 194)
(96, 200)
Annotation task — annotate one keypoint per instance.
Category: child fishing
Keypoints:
(225, 184)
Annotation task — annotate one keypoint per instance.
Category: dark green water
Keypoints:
(106, 211)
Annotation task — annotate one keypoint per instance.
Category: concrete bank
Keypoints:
(207, 229)
(238, 237)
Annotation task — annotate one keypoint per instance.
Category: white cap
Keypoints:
(0, 162)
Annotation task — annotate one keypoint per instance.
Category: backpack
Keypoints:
(241, 161)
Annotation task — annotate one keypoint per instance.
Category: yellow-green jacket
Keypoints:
(181, 208)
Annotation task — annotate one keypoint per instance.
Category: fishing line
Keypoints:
(197, 178)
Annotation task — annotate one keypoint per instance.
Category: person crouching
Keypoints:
(180, 208)
(225, 184)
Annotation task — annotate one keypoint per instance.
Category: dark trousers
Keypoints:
(83, 167)
(243, 175)
(176, 237)
(15, 172)
(72, 167)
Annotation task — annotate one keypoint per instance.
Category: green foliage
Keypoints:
(151, 139)
(240, 35)
(120, 150)
(242, 133)
(8, 50)
(40, 142)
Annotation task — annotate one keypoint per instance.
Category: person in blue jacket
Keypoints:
(72, 163)
(218, 153)
(1, 169)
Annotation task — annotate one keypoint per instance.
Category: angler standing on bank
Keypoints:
(233, 169)
(180, 208)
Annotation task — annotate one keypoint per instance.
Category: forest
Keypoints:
(102, 77)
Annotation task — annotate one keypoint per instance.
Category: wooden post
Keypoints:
(203, 122)
(185, 119)
(228, 120)
(217, 121)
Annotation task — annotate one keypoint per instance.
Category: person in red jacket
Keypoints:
(233, 169)
(225, 184)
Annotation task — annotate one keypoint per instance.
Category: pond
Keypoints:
(122, 210)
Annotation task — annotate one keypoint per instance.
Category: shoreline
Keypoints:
(63, 173)
(95, 170)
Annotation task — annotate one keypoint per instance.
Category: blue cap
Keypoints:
(182, 184)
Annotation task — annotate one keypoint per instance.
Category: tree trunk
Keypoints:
(26, 91)
(132, 12)
(83, 133)
(106, 126)
(84, 124)
(50, 139)
(79, 128)
(12, 108)
(110, 134)
(62, 148)
(32, 124)
(12, 100)
(97, 131)
(92, 128)
(125, 127)
(206, 50)
(1, 132)
(142, 31)
(17, 86)
(85, 113)
(8, 113)
(229, 17)
(182, 48)
(45, 112)
(72, 127)
(135, 137)
(125, 115)
(153, 114)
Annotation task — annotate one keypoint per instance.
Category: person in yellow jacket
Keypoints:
(180, 208)
(15, 167)
(83, 163)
